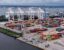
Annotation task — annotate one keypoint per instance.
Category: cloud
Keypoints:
(30, 2)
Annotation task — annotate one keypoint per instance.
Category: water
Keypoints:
(9, 43)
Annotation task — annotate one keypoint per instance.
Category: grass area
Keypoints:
(10, 33)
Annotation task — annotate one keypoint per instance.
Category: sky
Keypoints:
(32, 2)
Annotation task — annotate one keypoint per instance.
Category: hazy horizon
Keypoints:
(33, 2)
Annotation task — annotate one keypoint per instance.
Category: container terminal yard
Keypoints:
(38, 27)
